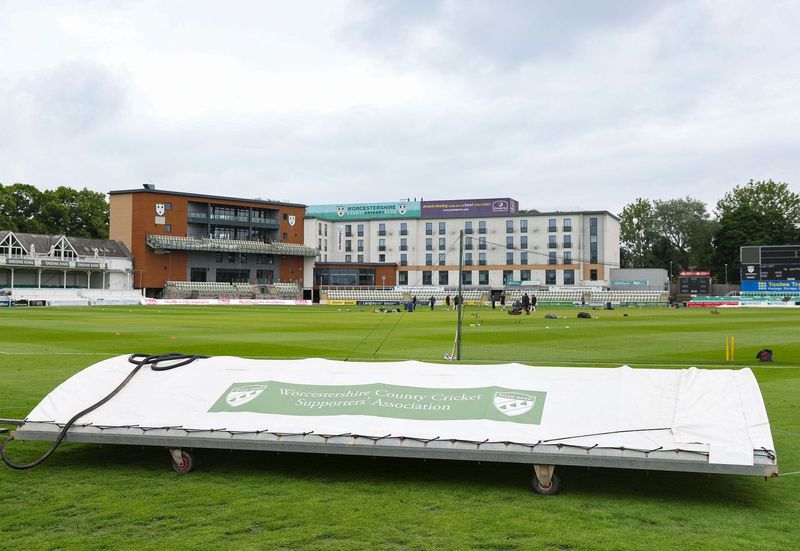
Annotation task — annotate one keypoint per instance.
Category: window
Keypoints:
(428, 228)
(468, 259)
(402, 278)
(481, 226)
(523, 257)
(219, 257)
(381, 244)
(468, 227)
(593, 253)
(361, 258)
(468, 243)
(509, 242)
(551, 258)
(442, 260)
(567, 241)
(567, 257)
(523, 226)
(569, 277)
(550, 277)
(285, 216)
(403, 228)
(426, 277)
(403, 259)
(428, 244)
(551, 242)
(482, 243)
(525, 275)
(286, 235)
(593, 241)
(381, 258)
(509, 226)
(403, 244)
(361, 230)
(592, 275)
(348, 258)
(429, 259)
(167, 206)
(319, 228)
(523, 242)
(382, 228)
(348, 230)
(442, 244)
(443, 278)
(567, 224)
(167, 228)
(243, 258)
(231, 258)
(551, 225)
(360, 245)
(348, 245)
(509, 258)
(325, 229)
(508, 275)
(482, 259)
(483, 277)
(467, 279)
(442, 228)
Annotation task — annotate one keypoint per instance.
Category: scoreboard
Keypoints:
(694, 283)
(770, 268)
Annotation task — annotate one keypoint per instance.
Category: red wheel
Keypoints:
(185, 465)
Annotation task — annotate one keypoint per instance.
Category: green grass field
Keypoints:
(128, 497)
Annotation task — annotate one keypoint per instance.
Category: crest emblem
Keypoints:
(512, 404)
(500, 206)
(340, 211)
(240, 395)
(401, 209)
(160, 209)
(751, 269)
(291, 219)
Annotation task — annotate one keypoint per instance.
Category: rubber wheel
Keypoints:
(554, 488)
(186, 464)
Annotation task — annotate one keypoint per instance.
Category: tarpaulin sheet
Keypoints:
(719, 412)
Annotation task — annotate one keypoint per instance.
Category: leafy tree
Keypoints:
(685, 225)
(637, 234)
(20, 205)
(759, 213)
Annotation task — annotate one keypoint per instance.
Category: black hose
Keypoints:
(139, 360)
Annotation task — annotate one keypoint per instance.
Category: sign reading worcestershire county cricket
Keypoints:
(380, 400)
(363, 211)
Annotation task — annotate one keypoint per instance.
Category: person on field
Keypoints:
(534, 300)
(502, 301)
(526, 304)
(456, 302)
(447, 302)
(414, 303)
(433, 301)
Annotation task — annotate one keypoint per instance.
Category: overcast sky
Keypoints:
(559, 104)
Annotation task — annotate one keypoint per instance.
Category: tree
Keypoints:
(759, 213)
(685, 225)
(20, 205)
(637, 234)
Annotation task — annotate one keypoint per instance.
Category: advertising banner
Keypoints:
(772, 285)
(464, 208)
(363, 211)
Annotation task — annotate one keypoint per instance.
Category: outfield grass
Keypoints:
(113, 496)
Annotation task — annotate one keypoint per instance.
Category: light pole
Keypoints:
(670, 271)
(726, 274)
(383, 282)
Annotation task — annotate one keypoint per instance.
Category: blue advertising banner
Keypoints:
(772, 285)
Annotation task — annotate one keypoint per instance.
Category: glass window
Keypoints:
(481, 226)
(231, 258)
(509, 226)
(428, 244)
(523, 226)
(442, 228)
(442, 245)
(523, 242)
(508, 275)
(468, 259)
(551, 242)
(467, 279)
(403, 244)
(348, 230)
(403, 259)
(551, 259)
(567, 257)
(319, 228)
(567, 224)
(381, 244)
(482, 243)
(525, 275)
(348, 245)
(569, 277)
(551, 225)
(426, 277)
(483, 277)
(442, 259)
(523, 257)
(360, 245)
(382, 229)
(167, 206)
(325, 227)
(468, 243)
(219, 257)
(592, 275)
(348, 258)
(468, 226)
(509, 242)
(361, 230)
(509, 258)
(361, 258)
(568, 241)
(593, 253)
(443, 277)
(402, 278)
(428, 228)
(550, 277)
(381, 258)
(429, 259)
(482, 259)
(167, 228)
(403, 228)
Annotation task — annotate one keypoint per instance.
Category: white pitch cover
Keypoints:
(720, 412)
